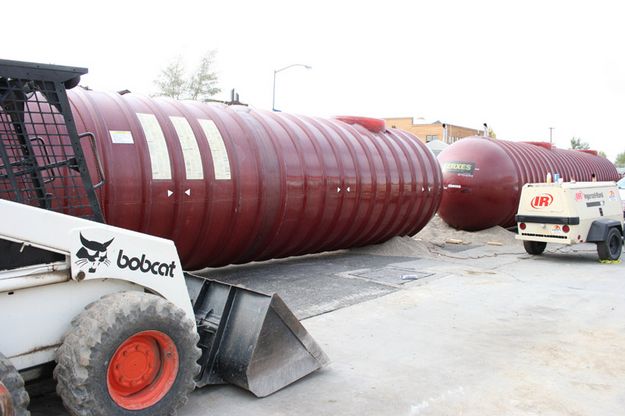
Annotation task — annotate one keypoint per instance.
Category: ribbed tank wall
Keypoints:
(482, 177)
(230, 184)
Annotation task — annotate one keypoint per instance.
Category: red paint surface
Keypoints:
(490, 196)
(299, 184)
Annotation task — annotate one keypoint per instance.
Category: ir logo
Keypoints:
(542, 201)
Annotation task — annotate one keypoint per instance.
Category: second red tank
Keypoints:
(234, 184)
(483, 177)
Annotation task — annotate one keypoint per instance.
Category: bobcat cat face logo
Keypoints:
(92, 253)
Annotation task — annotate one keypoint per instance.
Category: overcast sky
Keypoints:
(520, 66)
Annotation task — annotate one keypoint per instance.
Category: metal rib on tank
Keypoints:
(230, 184)
(482, 177)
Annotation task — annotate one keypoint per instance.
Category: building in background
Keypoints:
(428, 132)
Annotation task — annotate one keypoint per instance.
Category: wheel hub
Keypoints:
(142, 370)
(615, 245)
(6, 402)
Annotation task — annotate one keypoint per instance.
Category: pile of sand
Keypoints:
(398, 247)
(439, 233)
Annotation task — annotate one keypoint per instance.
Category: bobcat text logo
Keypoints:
(542, 201)
(145, 265)
(92, 253)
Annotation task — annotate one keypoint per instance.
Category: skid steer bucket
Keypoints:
(251, 340)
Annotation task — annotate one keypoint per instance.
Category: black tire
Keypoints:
(13, 382)
(95, 341)
(535, 248)
(611, 248)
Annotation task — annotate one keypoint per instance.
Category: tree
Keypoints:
(200, 85)
(203, 83)
(491, 133)
(171, 81)
(577, 143)
(620, 160)
(602, 154)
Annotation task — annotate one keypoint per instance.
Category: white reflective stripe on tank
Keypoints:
(221, 163)
(157, 147)
(190, 150)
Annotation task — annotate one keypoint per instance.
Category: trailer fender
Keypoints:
(599, 229)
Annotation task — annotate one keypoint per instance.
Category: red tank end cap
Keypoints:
(374, 125)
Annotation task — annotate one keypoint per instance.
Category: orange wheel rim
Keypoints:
(6, 403)
(142, 370)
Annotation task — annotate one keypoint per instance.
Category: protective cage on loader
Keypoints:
(42, 161)
(130, 331)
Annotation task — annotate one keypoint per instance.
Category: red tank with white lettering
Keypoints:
(483, 177)
(232, 184)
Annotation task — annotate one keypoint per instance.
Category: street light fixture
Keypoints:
(275, 72)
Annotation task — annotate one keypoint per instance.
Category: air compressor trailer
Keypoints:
(130, 331)
(571, 213)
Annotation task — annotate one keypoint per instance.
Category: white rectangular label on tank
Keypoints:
(157, 147)
(216, 143)
(190, 151)
(121, 137)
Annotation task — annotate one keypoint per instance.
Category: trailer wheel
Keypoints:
(129, 353)
(611, 248)
(13, 396)
(535, 248)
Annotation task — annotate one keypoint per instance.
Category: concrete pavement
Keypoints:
(487, 334)
(483, 331)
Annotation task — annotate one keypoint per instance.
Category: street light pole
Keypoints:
(551, 135)
(275, 72)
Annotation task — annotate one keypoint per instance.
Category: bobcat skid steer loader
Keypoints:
(131, 333)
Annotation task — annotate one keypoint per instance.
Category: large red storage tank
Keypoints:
(231, 184)
(483, 177)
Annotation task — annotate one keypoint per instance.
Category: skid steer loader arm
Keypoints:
(251, 340)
